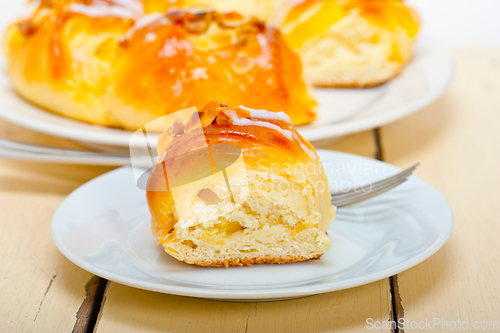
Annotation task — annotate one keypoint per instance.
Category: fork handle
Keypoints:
(27, 152)
(86, 159)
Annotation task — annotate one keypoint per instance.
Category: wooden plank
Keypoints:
(362, 144)
(457, 142)
(131, 310)
(41, 291)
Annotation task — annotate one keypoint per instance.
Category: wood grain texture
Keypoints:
(132, 310)
(362, 144)
(41, 291)
(457, 141)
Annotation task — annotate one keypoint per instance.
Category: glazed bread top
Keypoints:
(267, 141)
(264, 137)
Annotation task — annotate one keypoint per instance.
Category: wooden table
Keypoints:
(457, 141)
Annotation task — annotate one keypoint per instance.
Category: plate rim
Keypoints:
(260, 294)
(116, 137)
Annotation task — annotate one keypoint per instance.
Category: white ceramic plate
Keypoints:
(104, 227)
(341, 111)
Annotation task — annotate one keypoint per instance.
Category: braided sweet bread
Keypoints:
(109, 62)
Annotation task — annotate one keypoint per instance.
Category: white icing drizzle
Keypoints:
(199, 73)
(147, 20)
(135, 6)
(30, 9)
(247, 122)
(264, 114)
(304, 147)
(103, 11)
(143, 22)
(150, 37)
(264, 59)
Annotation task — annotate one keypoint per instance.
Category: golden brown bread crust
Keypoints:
(111, 65)
(251, 261)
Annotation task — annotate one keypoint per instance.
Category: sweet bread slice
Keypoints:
(349, 43)
(244, 188)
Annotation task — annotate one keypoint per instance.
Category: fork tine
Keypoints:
(381, 183)
(355, 195)
(401, 174)
(341, 199)
(372, 187)
(367, 195)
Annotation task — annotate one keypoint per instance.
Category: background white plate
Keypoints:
(104, 227)
(341, 111)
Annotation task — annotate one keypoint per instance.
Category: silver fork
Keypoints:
(17, 150)
(29, 152)
(361, 193)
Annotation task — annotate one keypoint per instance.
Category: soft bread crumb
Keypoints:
(267, 226)
(355, 53)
